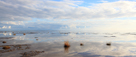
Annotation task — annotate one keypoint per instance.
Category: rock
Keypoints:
(37, 39)
(66, 44)
(108, 44)
(14, 34)
(81, 44)
(6, 47)
(4, 41)
(24, 34)
(30, 53)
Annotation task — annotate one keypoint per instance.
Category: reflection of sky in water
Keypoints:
(56, 49)
(57, 36)
(71, 36)
(122, 44)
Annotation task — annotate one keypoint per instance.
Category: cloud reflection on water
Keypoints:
(56, 49)
(94, 44)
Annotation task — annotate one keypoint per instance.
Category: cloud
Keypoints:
(23, 25)
(110, 25)
(5, 27)
(26, 10)
(13, 22)
(66, 9)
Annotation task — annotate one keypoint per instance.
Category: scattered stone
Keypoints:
(16, 45)
(81, 44)
(66, 44)
(19, 46)
(6, 47)
(37, 39)
(14, 34)
(31, 53)
(108, 44)
(24, 34)
(4, 41)
(27, 47)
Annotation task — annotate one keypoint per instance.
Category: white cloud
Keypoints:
(13, 22)
(67, 9)
(9, 27)
(110, 25)
(6, 27)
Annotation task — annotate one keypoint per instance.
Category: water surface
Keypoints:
(51, 44)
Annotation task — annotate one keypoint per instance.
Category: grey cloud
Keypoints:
(26, 10)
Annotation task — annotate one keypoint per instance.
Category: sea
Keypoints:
(51, 43)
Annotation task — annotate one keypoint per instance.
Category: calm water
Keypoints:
(51, 44)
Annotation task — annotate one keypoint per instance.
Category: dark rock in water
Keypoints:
(37, 39)
(81, 44)
(66, 44)
(108, 44)
(4, 41)
(14, 34)
(6, 47)
(24, 34)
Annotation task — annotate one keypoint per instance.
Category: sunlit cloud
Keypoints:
(5, 27)
(67, 14)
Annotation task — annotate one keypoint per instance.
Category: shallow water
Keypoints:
(51, 44)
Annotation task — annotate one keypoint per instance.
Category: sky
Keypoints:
(98, 15)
